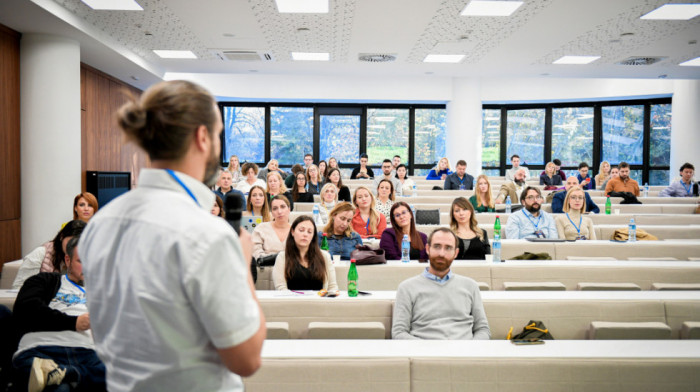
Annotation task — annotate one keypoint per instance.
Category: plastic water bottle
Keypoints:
(632, 231)
(496, 248)
(352, 279)
(413, 211)
(405, 249)
(509, 204)
(646, 190)
(317, 215)
(415, 191)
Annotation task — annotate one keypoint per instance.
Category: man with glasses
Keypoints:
(558, 199)
(460, 314)
(531, 222)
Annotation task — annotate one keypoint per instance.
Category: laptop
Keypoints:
(249, 223)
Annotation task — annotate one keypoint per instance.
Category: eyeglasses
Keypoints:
(531, 198)
(400, 214)
(446, 248)
(578, 198)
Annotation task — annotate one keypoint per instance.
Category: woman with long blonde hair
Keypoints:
(603, 174)
(473, 241)
(440, 171)
(482, 201)
(368, 222)
(342, 239)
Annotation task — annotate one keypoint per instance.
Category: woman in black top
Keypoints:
(299, 193)
(335, 179)
(473, 241)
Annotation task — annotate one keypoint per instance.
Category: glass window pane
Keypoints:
(660, 151)
(420, 172)
(340, 138)
(623, 134)
(572, 135)
(526, 135)
(429, 136)
(244, 133)
(637, 176)
(659, 177)
(491, 138)
(491, 172)
(292, 134)
(387, 134)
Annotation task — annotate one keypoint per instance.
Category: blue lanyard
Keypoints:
(182, 184)
(76, 285)
(367, 227)
(580, 219)
(687, 188)
(531, 221)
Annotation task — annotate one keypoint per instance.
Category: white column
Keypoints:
(685, 125)
(50, 134)
(464, 124)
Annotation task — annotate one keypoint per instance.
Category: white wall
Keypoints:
(685, 123)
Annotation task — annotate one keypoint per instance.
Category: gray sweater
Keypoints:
(428, 310)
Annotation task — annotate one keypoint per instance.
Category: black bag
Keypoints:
(628, 198)
(533, 330)
(266, 261)
(428, 217)
(364, 255)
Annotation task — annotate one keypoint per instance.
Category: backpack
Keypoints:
(533, 330)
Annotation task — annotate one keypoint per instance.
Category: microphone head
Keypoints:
(234, 202)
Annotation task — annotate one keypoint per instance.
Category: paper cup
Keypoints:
(489, 258)
(617, 211)
(336, 259)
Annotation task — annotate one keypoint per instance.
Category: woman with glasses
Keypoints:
(573, 225)
(402, 223)
(314, 180)
(473, 241)
(299, 192)
(329, 198)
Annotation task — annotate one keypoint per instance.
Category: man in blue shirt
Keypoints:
(559, 197)
(584, 178)
(685, 187)
(531, 222)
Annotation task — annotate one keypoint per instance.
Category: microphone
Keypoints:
(233, 208)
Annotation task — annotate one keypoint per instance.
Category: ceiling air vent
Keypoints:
(641, 60)
(243, 55)
(376, 57)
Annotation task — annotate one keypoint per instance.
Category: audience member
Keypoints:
(322, 166)
(614, 173)
(395, 162)
(302, 265)
(335, 179)
(50, 256)
(226, 187)
(439, 304)
(299, 192)
(275, 187)
(257, 204)
(362, 171)
(56, 349)
(84, 206)
(367, 221)
(341, 238)
(308, 161)
(515, 163)
(623, 183)
(385, 197)
(603, 174)
(402, 223)
(440, 171)
(513, 188)
(550, 177)
(685, 187)
(250, 170)
(313, 180)
(234, 167)
(272, 166)
(584, 178)
(531, 222)
(573, 225)
(218, 208)
(473, 241)
(386, 175)
(405, 184)
(459, 180)
(329, 199)
(289, 181)
(557, 169)
(482, 200)
(558, 202)
(269, 237)
(332, 164)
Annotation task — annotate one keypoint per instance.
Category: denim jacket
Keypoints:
(341, 245)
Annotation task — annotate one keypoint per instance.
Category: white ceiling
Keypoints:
(523, 45)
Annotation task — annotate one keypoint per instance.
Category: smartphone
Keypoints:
(364, 293)
(524, 342)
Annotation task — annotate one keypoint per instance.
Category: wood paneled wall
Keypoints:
(10, 209)
(103, 146)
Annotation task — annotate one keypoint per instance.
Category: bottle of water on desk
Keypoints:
(415, 191)
(632, 231)
(646, 190)
(413, 211)
(496, 248)
(509, 205)
(405, 249)
(317, 215)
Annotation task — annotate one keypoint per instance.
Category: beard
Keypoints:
(440, 264)
(519, 182)
(533, 208)
(211, 172)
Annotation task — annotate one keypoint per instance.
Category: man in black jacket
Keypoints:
(56, 346)
(459, 180)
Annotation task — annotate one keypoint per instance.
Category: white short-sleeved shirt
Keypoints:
(168, 286)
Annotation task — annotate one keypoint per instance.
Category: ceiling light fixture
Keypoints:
(674, 12)
(302, 6)
(491, 8)
(175, 54)
(691, 63)
(305, 56)
(576, 60)
(113, 5)
(444, 58)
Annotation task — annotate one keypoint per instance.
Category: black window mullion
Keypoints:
(317, 136)
(268, 134)
(504, 141)
(646, 153)
(547, 135)
(597, 136)
(363, 131)
(411, 138)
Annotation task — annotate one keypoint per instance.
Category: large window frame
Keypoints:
(645, 167)
(336, 109)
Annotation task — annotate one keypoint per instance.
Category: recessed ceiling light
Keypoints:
(175, 54)
(691, 63)
(443, 58)
(115, 5)
(302, 6)
(576, 60)
(490, 8)
(305, 56)
(674, 12)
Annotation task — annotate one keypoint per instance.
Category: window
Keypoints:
(526, 135)
(340, 138)
(429, 136)
(387, 134)
(659, 177)
(291, 133)
(491, 140)
(244, 133)
(623, 134)
(572, 135)
(660, 134)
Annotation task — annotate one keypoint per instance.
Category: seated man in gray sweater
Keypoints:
(438, 304)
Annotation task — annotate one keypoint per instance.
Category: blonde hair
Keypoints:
(553, 166)
(325, 188)
(338, 209)
(283, 188)
(229, 168)
(601, 174)
(373, 213)
(571, 190)
(489, 199)
(437, 167)
(318, 174)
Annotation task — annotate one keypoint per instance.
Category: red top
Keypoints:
(361, 226)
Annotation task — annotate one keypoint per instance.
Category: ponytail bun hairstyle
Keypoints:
(164, 119)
